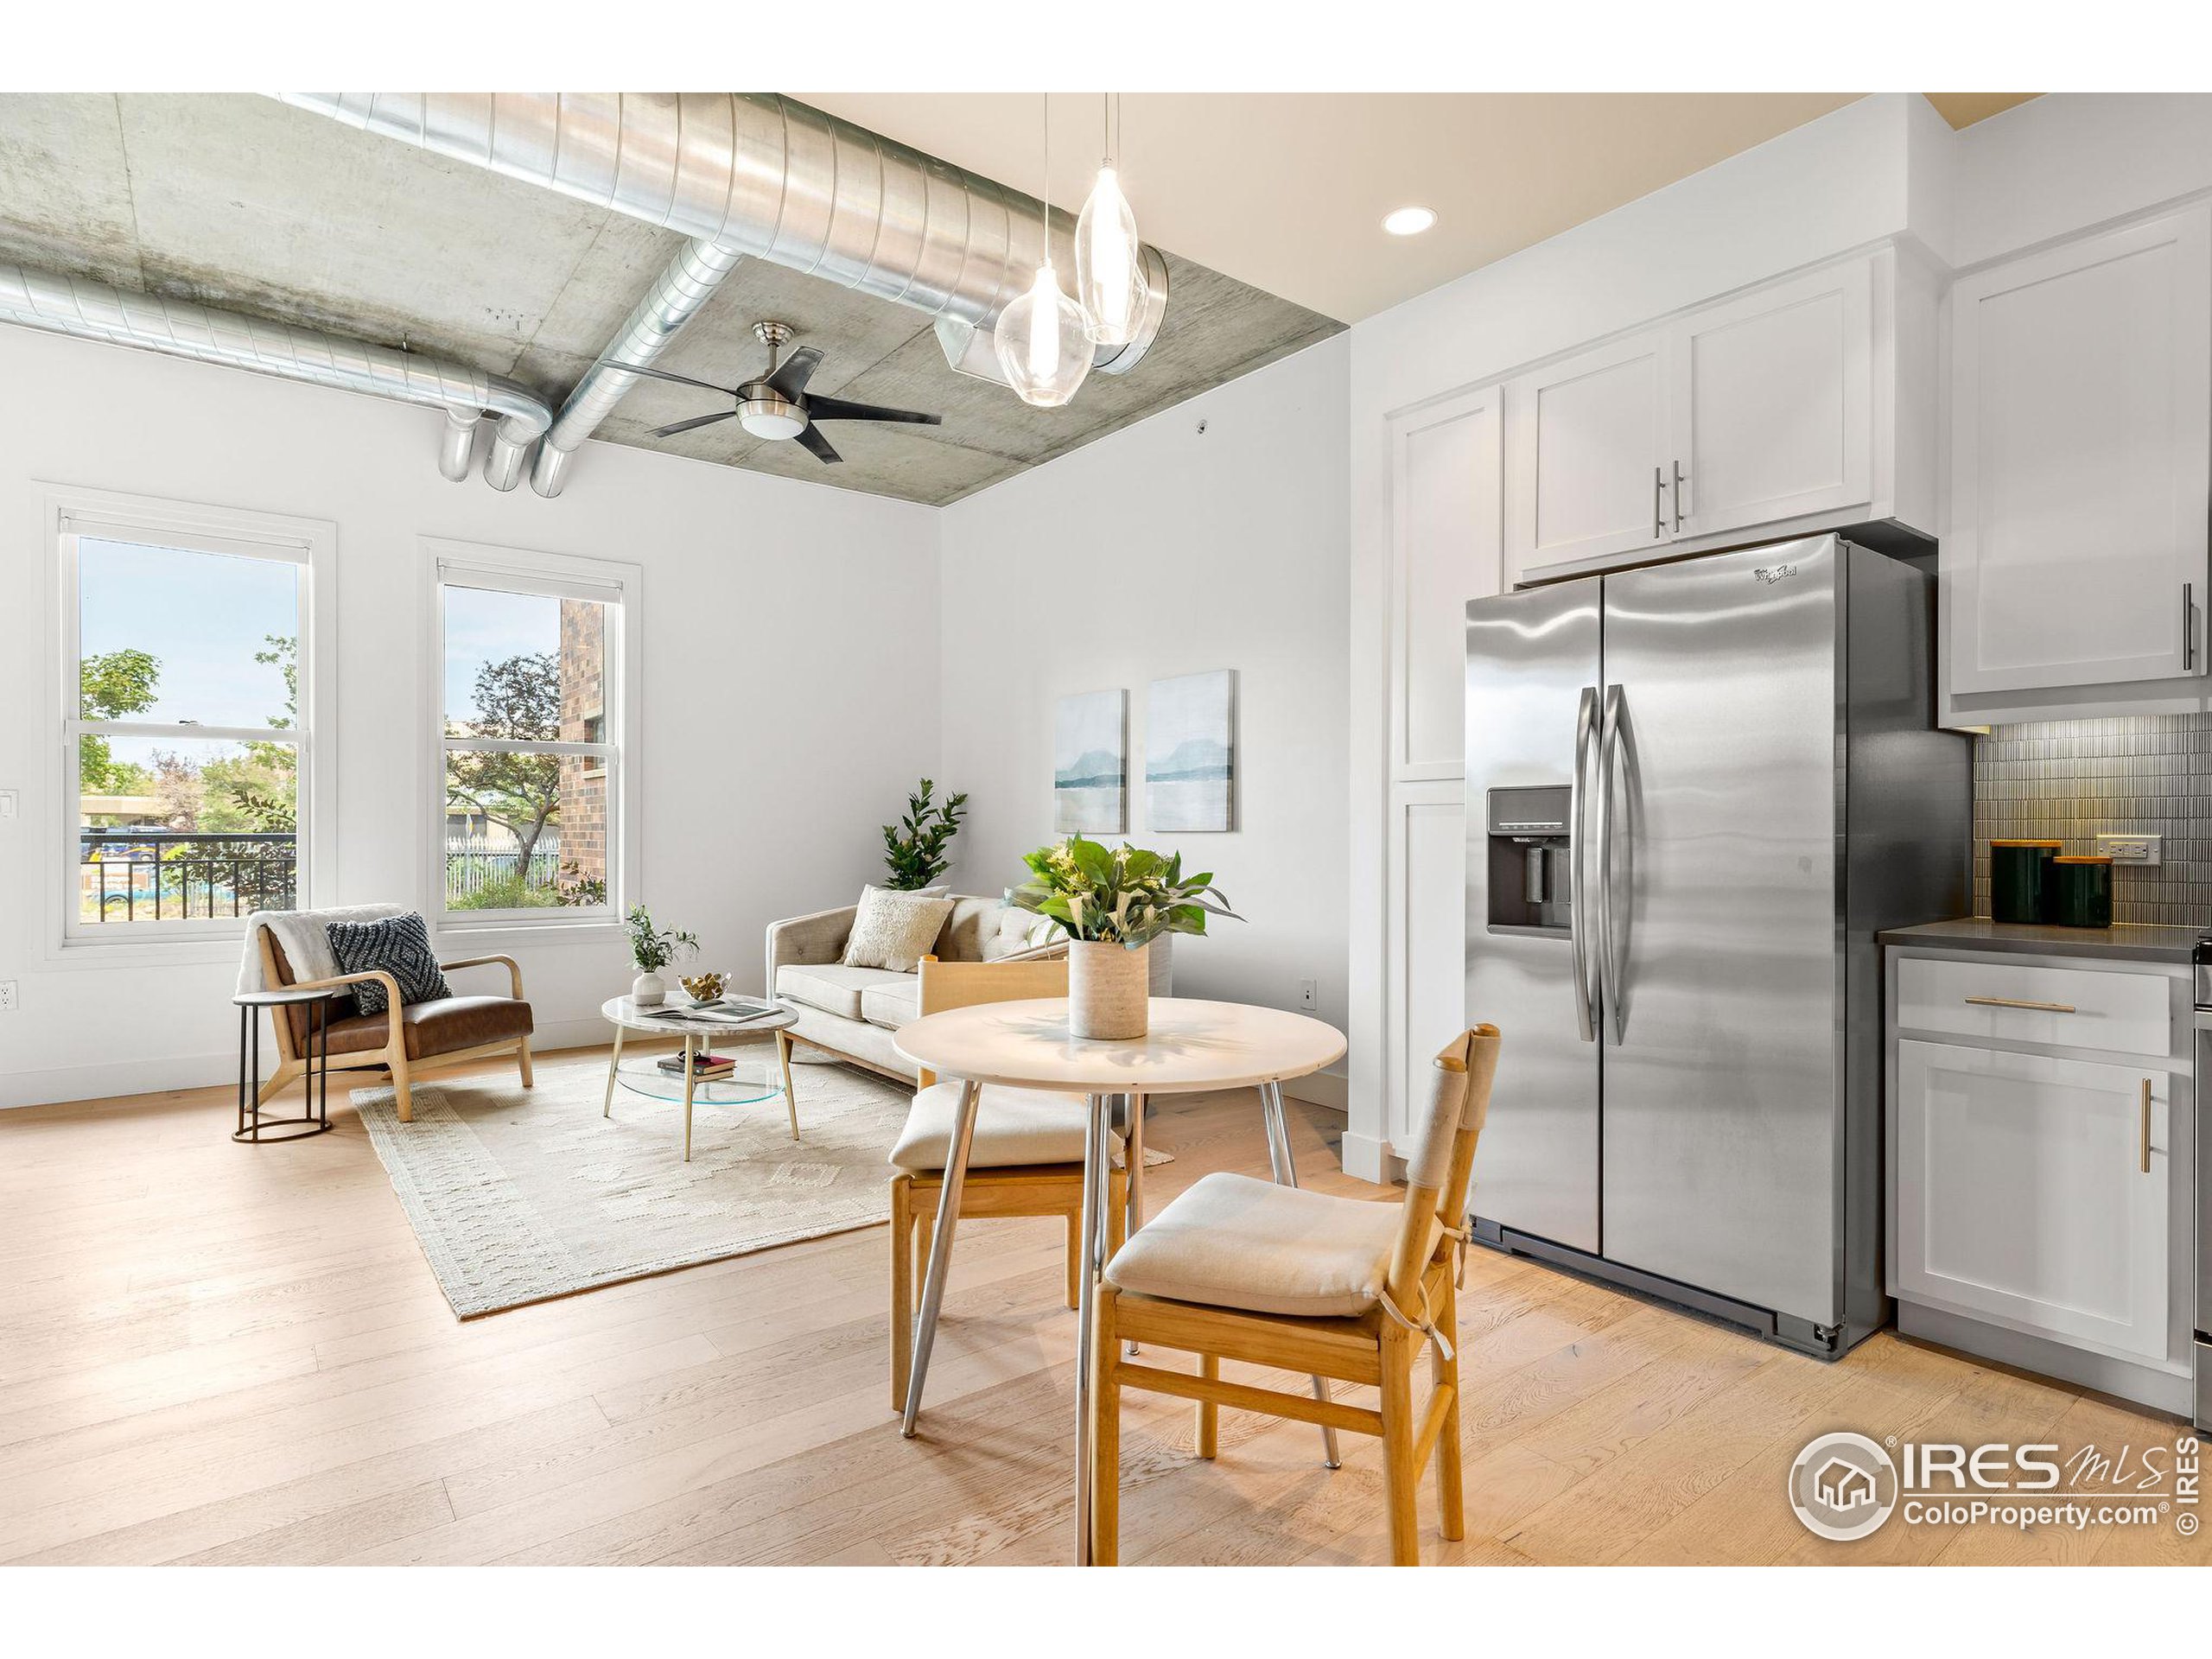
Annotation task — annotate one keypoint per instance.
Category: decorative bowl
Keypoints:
(702, 988)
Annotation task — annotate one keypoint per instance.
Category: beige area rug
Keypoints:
(520, 1195)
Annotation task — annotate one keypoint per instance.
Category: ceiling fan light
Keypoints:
(771, 417)
(1043, 342)
(1108, 263)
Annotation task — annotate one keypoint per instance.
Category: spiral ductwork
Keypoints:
(762, 175)
(687, 283)
(91, 310)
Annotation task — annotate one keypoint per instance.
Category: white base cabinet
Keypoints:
(2041, 1175)
(2033, 1192)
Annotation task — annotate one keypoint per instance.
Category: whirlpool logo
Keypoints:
(1770, 574)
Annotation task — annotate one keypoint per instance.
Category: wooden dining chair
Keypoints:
(1344, 1288)
(1025, 1158)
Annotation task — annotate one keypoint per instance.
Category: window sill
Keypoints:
(191, 950)
(508, 930)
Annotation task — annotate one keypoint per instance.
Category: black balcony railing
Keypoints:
(159, 876)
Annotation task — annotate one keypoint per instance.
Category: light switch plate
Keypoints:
(2128, 849)
(7, 803)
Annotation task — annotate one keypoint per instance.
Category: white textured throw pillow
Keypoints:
(894, 929)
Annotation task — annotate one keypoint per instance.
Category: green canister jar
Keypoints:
(2019, 879)
(2081, 892)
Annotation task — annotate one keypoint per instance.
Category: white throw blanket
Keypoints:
(305, 937)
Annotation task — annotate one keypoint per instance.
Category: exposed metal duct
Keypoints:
(762, 175)
(689, 282)
(91, 310)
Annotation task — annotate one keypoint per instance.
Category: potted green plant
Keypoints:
(1112, 905)
(652, 949)
(913, 848)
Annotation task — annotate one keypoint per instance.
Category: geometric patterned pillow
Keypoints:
(400, 945)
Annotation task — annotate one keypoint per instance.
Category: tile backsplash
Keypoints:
(2145, 774)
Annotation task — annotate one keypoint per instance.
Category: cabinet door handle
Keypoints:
(1658, 502)
(2145, 1161)
(2189, 627)
(2014, 1002)
(1678, 498)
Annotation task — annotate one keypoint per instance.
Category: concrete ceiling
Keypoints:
(1287, 191)
(239, 201)
(1269, 204)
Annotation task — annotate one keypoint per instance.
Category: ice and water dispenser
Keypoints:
(1530, 873)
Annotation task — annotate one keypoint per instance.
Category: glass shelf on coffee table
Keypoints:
(702, 1033)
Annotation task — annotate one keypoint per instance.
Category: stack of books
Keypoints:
(704, 1066)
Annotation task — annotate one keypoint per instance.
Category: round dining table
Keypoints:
(1192, 1045)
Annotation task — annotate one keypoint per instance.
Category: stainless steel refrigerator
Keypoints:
(1696, 792)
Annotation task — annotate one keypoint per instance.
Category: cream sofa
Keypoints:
(849, 1014)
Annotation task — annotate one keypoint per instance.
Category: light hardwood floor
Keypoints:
(218, 1353)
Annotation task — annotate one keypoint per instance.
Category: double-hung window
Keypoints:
(190, 702)
(533, 654)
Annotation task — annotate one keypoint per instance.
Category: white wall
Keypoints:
(1159, 551)
(790, 679)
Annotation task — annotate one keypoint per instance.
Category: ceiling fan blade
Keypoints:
(678, 379)
(696, 421)
(797, 369)
(836, 409)
(812, 439)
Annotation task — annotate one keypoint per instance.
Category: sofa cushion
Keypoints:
(973, 923)
(894, 929)
(1017, 931)
(892, 1006)
(1231, 1241)
(832, 987)
(444, 1026)
(1012, 1125)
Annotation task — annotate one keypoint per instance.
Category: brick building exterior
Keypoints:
(583, 720)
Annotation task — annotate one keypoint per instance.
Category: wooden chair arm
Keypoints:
(513, 968)
(394, 1036)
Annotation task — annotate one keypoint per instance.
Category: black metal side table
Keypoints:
(251, 1119)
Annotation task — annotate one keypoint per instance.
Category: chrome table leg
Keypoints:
(1285, 1174)
(1094, 1156)
(948, 1216)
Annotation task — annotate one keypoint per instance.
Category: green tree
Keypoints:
(258, 790)
(517, 699)
(113, 686)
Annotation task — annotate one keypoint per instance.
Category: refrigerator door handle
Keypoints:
(1577, 909)
(1609, 964)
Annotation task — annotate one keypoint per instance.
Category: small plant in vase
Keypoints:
(652, 949)
(913, 847)
(1112, 905)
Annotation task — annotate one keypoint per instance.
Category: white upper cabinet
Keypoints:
(1585, 456)
(1443, 486)
(1801, 405)
(2081, 441)
(1772, 401)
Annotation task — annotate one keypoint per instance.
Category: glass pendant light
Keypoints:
(1042, 339)
(1108, 266)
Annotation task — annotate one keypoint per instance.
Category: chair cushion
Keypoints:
(894, 929)
(400, 945)
(1012, 1125)
(1230, 1241)
(445, 1026)
(892, 1006)
(832, 987)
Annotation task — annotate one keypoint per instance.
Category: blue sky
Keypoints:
(483, 627)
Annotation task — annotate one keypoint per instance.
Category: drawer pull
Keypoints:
(2015, 1003)
(2146, 1126)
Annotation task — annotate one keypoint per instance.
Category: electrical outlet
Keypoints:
(2129, 848)
(1309, 992)
(6, 996)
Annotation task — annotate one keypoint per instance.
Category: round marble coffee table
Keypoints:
(701, 1033)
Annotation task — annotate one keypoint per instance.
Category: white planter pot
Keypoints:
(1106, 990)
(648, 991)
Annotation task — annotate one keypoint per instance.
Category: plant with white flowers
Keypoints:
(1127, 898)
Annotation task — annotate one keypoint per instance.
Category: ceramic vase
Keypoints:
(1106, 990)
(648, 991)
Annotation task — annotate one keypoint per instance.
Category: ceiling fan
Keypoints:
(776, 405)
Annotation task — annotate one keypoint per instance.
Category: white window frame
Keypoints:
(310, 544)
(470, 565)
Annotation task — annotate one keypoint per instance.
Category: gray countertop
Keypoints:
(2134, 943)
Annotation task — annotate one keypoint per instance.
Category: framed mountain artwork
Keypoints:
(1190, 753)
(1090, 763)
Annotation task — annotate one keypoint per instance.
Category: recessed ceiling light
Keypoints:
(1409, 221)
